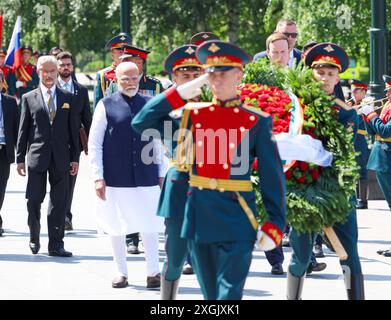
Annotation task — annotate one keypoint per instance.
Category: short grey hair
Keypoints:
(126, 65)
(45, 59)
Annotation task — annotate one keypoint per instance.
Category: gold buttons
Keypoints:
(252, 118)
(200, 143)
(212, 108)
(225, 166)
(200, 165)
(242, 129)
(236, 110)
(198, 125)
(221, 189)
(196, 111)
(232, 145)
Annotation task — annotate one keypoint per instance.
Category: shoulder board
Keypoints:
(152, 79)
(255, 110)
(197, 105)
(342, 104)
(105, 69)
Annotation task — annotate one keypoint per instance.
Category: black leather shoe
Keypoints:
(34, 247)
(132, 249)
(277, 269)
(362, 204)
(318, 251)
(153, 282)
(119, 282)
(1, 231)
(381, 251)
(187, 269)
(60, 253)
(319, 266)
(387, 253)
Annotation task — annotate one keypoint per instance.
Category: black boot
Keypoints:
(168, 289)
(356, 290)
(295, 287)
(362, 202)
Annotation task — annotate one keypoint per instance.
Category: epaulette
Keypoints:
(255, 110)
(152, 79)
(104, 70)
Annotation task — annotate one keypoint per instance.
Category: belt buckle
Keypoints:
(213, 183)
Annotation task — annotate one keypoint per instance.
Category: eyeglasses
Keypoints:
(290, 34)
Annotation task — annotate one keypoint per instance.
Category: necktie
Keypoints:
(67, 86)
(51, 107)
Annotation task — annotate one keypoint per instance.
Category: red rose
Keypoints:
(314, 174)
(288, 175)
(301, 180)
(304, 166)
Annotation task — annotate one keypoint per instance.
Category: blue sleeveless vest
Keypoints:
(122, 146)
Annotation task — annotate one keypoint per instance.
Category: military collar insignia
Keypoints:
(329, 49)
(213, 48)
(190, 50)
(235, 102)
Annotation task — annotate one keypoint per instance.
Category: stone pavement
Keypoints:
(88, 274)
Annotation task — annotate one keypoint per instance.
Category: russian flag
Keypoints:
(14, 55)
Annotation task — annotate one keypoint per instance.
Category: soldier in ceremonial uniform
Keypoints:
(148, 84)
(25, 78)
(106, 75)
(359, 90)
(6, 70)
(380, 157)
(327, 60)
(219, 221)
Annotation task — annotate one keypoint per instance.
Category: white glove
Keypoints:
(367, 109)
(192, 88)
(264, 242)
(19, 84)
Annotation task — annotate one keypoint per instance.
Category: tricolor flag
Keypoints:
(1, 29)
(14, 55)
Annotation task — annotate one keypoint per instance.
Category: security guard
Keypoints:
(106, 75)
(219, 221)
(327, 60)
(6, 70)
(359, 90)
(148, 85)
(25, 78)
(380, 157)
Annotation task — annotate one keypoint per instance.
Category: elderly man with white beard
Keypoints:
(126, 178)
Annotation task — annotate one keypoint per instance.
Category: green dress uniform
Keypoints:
(105, 76)
(173, 196)
(302, 243)
(219, 213)
(148, 85)
(380, 157)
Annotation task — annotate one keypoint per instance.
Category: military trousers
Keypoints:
(221, 268)
(302, 244)
(176, 249)
(384, 179)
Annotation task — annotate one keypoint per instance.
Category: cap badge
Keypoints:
(205, 36)
(213, 48)
(190, 50)
(329, 48)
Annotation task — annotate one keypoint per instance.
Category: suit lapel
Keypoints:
(40, 102)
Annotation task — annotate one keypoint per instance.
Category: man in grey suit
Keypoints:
(81, 108)
(48, 134)
(9, 122)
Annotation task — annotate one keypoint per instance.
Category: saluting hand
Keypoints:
(21, 168)
(100, 189)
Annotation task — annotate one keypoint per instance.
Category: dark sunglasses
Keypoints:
(290, 34)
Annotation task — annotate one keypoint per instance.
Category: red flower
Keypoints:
(314, 174)
(304, 166)
(288, 175)
(301, 180)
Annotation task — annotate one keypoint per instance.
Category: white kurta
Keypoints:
(125, 210)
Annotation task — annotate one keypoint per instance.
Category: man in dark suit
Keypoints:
(289, 29)
(48, 134)
(9, 123)
(81, 108)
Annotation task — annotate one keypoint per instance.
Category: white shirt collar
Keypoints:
(62, 82)
(291, 59)
(44, 90)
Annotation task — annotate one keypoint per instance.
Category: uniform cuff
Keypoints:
(273, 232)
(174, 98)
(371, 116)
